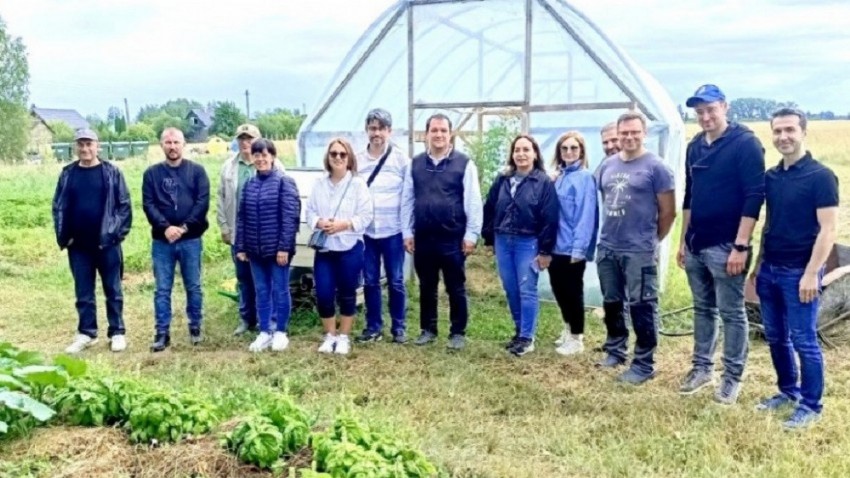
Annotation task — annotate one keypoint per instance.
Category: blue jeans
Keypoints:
(165, 257)
(716, 291)
(630, 278)
(85, 264)
(245, 287)
(515, 260)
(391, 249)
(271, 282)
(789, 326)
(337, 276)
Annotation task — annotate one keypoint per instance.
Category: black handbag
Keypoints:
(318, 239)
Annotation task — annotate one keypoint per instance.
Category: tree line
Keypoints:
(151, 120)
(760, 109)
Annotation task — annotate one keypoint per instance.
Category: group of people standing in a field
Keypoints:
(374, 205)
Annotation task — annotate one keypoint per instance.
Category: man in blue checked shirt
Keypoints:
(385, 165)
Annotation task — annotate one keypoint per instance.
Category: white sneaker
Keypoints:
(279, 341)
(81, 341)
(343, 345)
(262, 342)
(573, 345)
(118, 343)
(563, 337)
(328, 344)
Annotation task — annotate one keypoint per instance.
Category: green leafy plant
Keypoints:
(351, 449)
(292, 421)
(490, 150)
(97, 402)
(169, 417)
(24, 381)
(256, 440)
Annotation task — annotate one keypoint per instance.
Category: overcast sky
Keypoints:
(90, 54)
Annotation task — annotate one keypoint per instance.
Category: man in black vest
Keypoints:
(441, 215)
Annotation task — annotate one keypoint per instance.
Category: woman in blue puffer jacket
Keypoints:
(266, 225)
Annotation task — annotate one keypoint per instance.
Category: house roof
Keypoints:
(74, 119)
(204, 116)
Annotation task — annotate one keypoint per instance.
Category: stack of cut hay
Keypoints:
(834, 316)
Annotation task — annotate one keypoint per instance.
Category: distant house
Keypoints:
(40, 137)
(70, 117)
(199, 125)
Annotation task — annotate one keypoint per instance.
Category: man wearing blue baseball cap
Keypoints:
(724, 193)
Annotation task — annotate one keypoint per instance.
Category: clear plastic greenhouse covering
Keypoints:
(475, 60)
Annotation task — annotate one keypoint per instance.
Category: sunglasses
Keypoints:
(570, 148)
(338, 154)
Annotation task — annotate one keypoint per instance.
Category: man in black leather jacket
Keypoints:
(91, 217)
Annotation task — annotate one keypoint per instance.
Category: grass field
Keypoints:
(480, 413)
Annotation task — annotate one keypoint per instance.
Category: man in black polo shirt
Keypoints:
(802, 211)
(724, 192)
(442, 215)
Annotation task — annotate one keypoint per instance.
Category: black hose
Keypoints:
(676, 333)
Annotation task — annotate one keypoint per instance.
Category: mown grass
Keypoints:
(480, 413)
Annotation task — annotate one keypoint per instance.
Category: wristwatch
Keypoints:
(742, 247)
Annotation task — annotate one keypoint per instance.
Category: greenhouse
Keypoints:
(540, 61)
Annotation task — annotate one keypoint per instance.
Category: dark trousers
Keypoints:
(337, 276)
(431, 257)
(630, 278)
(85, 264)
(245, 286)
(567, 280)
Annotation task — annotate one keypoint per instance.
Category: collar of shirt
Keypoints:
(375, 158)
(342, 182)
(799, 164)
(704, 140)
(437, 160)
(242, 160)
(568, 168)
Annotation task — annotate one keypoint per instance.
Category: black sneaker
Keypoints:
(369, 336)
(510, 343)
(522, 347)
(160, 342)
(195, 337)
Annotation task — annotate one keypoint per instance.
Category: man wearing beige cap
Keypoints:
(235, 173)
(91, 217)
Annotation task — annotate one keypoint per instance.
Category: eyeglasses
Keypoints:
(570, 148)
(338, 154)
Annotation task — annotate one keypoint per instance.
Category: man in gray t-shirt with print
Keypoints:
(639, 209)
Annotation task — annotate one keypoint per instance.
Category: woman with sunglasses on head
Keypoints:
(340, 206)
(520, 221)
(576, 242)
(267, 222)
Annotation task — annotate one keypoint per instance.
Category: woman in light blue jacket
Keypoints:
(577, 228)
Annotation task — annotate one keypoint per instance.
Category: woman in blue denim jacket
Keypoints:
(520, 219)
(577, 229)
